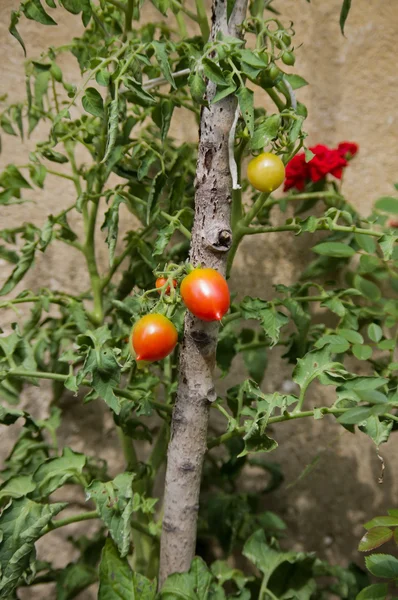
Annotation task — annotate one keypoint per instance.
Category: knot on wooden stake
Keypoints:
(219, 240)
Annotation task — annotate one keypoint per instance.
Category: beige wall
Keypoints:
(352, 97)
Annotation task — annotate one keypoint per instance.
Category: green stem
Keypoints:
(73, 519)
(180, 226)
(59, 377)
(202, 19)
(182, 28)
(128, 16)
(320, 227)
(186, 11)
(275, 98)
(118, 5)
(128, 448)
(237, 208)
(51, 299)
(242, 226)
(285, 417)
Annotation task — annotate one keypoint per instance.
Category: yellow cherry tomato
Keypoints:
(266, 172)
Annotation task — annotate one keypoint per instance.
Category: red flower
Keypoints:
(347, 149)
(326, 161)
(297, 173)
(393, 223)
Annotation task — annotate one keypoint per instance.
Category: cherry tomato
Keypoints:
(206, 295)
(160, 283)
(153, 337)
(266, 172)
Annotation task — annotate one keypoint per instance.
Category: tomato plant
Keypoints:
(186, 209)
(206, 294)
(153, 337)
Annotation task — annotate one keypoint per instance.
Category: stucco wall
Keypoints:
(352, 96)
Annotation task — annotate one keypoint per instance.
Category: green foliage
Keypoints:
(136, 80)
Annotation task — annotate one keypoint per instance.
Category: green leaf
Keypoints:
(8, 255)
(33, 9)
(113, 121)
(93, 103)
(382, 565)
(375, 332)
(255, 362)
(13, 28)
(387, 204)
(138, 94)
(335, 249)
(213, 72)
(54, 156)
(345, 9)
(265, 132)
(114, 501)
(117, 580)
(246, 99)
(103, 77)
(385, 521)
(197, 87)
(365, 242)
(265, 312)
(12, 177)
(194, 585)
(111, 223)
(154, 193)
(352, 336)
(257, 441)
(73, 579)
(362, 351)
(313, 364)
(162, 6)
(223, 93)
(252, 59)
(388, 245)
(163, 238)
(374, 538)
(368, 288)
(356, 415)
(295, 81)
(376, 591)
(265, 558)
(21, 524)
(162, 115)
(24, 263)
(55, 472)
(161, 54)
(17, 487)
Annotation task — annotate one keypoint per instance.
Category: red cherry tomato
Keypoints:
(206, 295)
(153, 337)
(160, 283)
(266, 172)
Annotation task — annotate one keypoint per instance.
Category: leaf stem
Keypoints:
(202, 19)
(212, 443)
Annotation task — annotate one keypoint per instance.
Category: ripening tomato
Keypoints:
(206, 295)
(153, 337)
(266, 172)
(160, 283)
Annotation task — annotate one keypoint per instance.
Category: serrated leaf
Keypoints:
(111, 223)
(384, 521)
(21, 525)
(163, 238)
(374, 538)
(93, 103)
(382, 565)
(33, 9)
(194, 585)
(246, 105)
(265, 132)
(162, 58)
(25, 261)
(117, 580)
(265, 312)
(334, 249)
(55, 472)
(114, 502)
(213, 72)
(376, 591)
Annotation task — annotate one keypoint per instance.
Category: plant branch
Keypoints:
(60, 377)
(197, 356)
(279, 419)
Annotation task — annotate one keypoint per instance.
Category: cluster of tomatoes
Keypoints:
(204, 292)
(206, 295)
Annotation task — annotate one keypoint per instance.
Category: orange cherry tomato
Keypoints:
(160, 283)
(266, 172)
(153, 337)
(206, 295)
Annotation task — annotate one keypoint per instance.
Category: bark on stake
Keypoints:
(211, 240)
